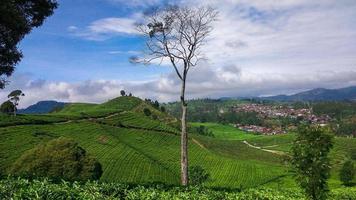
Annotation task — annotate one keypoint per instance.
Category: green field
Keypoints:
(225, 132)
(134, 148)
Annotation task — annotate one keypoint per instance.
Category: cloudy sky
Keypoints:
(257, 48)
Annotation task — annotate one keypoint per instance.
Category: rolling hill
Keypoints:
(135, 148)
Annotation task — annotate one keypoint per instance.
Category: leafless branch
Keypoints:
(177, 34)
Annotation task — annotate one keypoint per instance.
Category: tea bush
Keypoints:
(44, 189)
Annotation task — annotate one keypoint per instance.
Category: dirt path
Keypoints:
(262, 149)
(199, 144)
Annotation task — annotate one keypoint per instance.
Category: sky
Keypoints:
(256, 48)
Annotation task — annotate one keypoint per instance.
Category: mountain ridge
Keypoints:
(42, 107)
(318, 94)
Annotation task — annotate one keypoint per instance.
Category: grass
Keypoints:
(226, 132)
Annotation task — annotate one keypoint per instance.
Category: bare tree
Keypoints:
(177, 34)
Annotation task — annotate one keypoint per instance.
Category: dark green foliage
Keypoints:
(310, 159)
(346, 128)
(347, 173)
(14, 97)
(25, 189)
(122, 92)
(202, 130)
(353, 154)
(58, 159)
(243, 118)
(197, 175)
(163, 109)
(17, 18)
(156, 104)
(7, 107)
(200, 110)
(16, 93)
(147, 111)
(338, 110)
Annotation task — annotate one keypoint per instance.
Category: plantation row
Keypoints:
(100, 110)
(130, 155)
(24, 189)
(9, 120)
(139, 121)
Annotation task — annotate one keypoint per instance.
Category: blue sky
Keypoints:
(53, 52)
(257, 48)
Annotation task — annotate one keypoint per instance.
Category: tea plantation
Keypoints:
(137, 149)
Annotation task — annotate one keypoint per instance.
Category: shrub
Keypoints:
(147, 111)
(58, 159)
(202, 130)
(156, 104)
(7, 107)
(310, 159)
(197, 175)
(347, 173)
(45, 189)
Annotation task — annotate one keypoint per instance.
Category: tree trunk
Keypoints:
(184, 139)
(15, 110)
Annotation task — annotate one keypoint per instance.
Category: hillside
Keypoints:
(319, 94)
(135, 148)
(42, 107)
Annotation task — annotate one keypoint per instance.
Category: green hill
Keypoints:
(135, 148)
(97, 110)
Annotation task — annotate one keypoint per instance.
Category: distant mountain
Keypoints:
(319, 94)
(42, 107)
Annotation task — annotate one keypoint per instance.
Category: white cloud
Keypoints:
(113, 25)
(124, 52)
(208, 81)
(266, 35)
(107, 28)
(258, 47)
(72, 28)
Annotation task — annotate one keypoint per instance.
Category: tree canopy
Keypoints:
(14, 97)
(347, 172)
(7, 107)
(310, 160)
(17, 18)
(58, 159)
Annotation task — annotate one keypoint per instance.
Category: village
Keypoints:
(278, 112)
